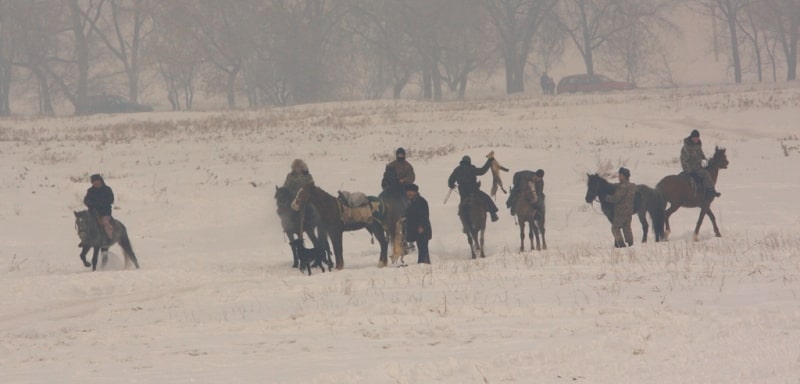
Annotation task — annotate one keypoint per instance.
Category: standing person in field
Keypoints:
(418, 223)
(398, 174)
(466, 177)
(99, 199)
(299, 177)
(623, 199)
(692, 159)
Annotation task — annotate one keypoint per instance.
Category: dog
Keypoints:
(311, 257)
(497, 182)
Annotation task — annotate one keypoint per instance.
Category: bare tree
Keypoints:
(784, 17)
(516, 22)
(176, 53)
(729, 12)
(6, 58)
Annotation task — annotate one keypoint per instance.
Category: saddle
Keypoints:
(696, 181)
(358, 208)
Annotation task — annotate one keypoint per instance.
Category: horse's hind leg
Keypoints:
(521, 236)
(535, 233)
(104, 258)
(85, 251)
(645, 227)
(672, 208)
(483, 254)
(472, 246)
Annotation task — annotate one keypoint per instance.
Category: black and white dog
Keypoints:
(311, 257)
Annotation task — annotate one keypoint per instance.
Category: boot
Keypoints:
(619, 244)
(494, 217)
(712, 192)
(630, 243)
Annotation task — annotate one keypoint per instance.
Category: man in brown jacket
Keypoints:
(623, 199)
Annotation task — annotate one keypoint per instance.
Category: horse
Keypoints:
(678, 191)
(93, 236)
(290, 222)
(330, 214)
(529, 208)
(647, 200)
(472, 211)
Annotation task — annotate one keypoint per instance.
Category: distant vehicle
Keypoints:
(591, 83)
(113, 104)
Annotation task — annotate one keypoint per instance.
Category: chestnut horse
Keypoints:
(330, 221)
(679, 191)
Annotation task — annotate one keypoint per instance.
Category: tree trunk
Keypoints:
(400, 84)
(515, 73)
(462, 86)
(588, 50)
(5, 88)
(737, 61)
(82, 58)
(791, 59)
(427, 86)
(231, 87)
(45, 98)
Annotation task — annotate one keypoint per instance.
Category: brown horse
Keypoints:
(529, 208)
(330, 215)
(473, 211)
(678, 191)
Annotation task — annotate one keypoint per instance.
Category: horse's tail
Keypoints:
(657, 208)
(127, 248)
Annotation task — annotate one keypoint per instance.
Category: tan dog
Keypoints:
(497, 182)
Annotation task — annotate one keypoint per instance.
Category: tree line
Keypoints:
(279, 52)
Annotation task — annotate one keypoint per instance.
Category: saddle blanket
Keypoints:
(353, 199)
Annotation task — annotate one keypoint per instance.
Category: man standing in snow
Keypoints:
(623, 199)
(99, 199)
(692, 158)
(298, 178)
(418, 223)
(466, 177)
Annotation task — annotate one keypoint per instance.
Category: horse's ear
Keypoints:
(76, 213)
(277, 188)
(716, 148)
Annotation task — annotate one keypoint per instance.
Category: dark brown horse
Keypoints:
(679, 191)
(331, 223)
(529, 208)
(472, 211)
(290, 222)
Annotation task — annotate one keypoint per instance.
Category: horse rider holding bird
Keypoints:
(466, 177)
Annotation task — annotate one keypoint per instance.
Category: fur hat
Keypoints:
(96, 177)
(625, 172)
(297, 163)
(400, 151)
(540, 173)
(695, 133)
(466, 160)
(412, 187)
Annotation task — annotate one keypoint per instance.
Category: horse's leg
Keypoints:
(481, 233)
(85, 251)
(384, 243)
(540, 228)
(295, 258)
(699, 223)
(713, 221)
(521, 236)
(672, 208)
(336, 240)
(645, 226)
(472, 246)
(535, 233)
(95, 254)
(104, 258)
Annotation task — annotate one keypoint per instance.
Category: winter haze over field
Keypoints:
(216, 299)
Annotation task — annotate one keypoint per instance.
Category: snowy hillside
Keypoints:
(216, 300)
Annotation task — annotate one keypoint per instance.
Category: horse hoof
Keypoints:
(381, 264)
(695, 238)
(718, 235)
(87, 264)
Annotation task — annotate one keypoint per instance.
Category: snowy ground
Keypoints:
(216, 301)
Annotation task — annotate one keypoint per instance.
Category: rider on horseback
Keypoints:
(399, 173)
(99, 199)
(520, 179)
(298, 178)
(692, 158)
(466, 176)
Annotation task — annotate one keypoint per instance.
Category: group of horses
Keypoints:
(676, 190)
(317, 214)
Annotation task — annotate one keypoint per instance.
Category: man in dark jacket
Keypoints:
(692, 158)
(466, 177)
(99, 199)
(418, 223)
(521, 178)
(398, 174)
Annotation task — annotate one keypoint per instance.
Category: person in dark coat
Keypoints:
(692, 158)
(466, 177)
(522, 177)
(418, 223)
(99, 199)
(398, 174)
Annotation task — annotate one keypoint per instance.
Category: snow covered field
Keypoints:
(216, 301)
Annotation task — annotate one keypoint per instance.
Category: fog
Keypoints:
(59, 56)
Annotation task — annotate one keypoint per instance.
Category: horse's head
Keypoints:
(594, 186)
(720, 159)
(83, 223)
(283, 199)
(302, 197)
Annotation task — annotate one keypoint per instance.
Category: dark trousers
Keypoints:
(423, 256)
